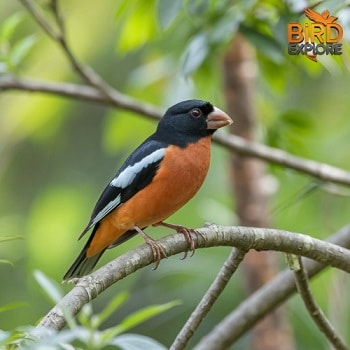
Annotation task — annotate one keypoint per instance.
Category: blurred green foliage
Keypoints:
(87, 335)
(56, 155)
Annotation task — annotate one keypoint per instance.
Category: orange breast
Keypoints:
(180, 175)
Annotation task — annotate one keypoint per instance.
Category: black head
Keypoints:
(190, 120)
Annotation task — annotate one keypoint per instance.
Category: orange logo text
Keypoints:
(321, 36)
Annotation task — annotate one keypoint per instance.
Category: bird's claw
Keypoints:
(186, 232)
(158, 249)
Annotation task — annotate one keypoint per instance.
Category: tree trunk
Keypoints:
(240, 71)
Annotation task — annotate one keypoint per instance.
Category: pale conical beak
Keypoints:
(218, 119)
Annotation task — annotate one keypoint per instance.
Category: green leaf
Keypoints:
(9, 26)
(225, 28)
(122, 9)
(21, 49)
(196, 53)
(146, 313)
(120, 299)
(85, 316)
(2, 261)
(136, 342)
(297, 119)
(138, 317)
(264, 44)
(50, 287)
(138, 25)
(11, 306)
(167, 11)
(10, 238)
(197, 7)
(290, 130)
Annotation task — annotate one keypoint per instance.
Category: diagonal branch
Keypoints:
(80, 92)
(245, 238)
(321, 171)
(40, 18)
(315, 312)
(59, 36)
(260, 303)
(212, 294)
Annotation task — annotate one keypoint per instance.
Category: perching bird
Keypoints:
(156, 180)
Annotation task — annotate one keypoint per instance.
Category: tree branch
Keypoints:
(322, 171)
(212, 294)
(39, 17)
(315, 312)
(81, 92)
(245, 238)
(237, 144)
(260, 303)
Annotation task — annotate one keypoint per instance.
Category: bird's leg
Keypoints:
(157, 248)
(185, 231)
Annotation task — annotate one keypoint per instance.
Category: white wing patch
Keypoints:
(127, 176)
(112, 204)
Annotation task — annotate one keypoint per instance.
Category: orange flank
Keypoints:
(180, 175)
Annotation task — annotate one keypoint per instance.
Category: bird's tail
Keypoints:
(83, 265)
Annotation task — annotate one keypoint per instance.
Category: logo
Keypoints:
(321, 36)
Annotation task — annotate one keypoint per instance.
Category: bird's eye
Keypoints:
(196, 112)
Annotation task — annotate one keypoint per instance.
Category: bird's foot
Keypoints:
(185, 231)
(157, 248)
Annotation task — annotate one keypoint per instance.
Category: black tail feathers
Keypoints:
(83, 265)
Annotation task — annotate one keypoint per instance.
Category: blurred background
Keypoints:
(57, 154)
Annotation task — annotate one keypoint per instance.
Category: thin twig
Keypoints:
(315, 312)
(37, 14)
(322, 171)
(209, 298)
(261, 302)
(245, 238)
(87, 73)
(81, 92)
(58, 16)
(336, 190)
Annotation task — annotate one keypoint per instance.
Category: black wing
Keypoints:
(136, 173)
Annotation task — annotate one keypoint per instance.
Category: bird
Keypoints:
(316, 17)
(156, 180)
